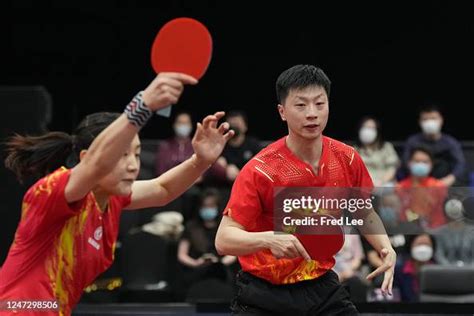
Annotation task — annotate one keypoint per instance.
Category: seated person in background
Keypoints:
(379, 156)
(407, 275)
(178, 148)
(240, 148)
(455, 241)
(389, 211)
(422, 197)
(448, 159)
(196, 250)
(348, 263)
(173, 151)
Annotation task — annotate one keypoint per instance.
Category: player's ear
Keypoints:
(281, 110)
(82, 154)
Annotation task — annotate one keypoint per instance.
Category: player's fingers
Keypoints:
(302, 251)
(229, 135)
(219, 114)
(208, 120)
(184, 78)
(390, 285)
(224, 127)
(166, 81)
(377, 271)
(169, 89)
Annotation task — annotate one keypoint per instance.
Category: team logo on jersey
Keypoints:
(97, 237)
(98, 233)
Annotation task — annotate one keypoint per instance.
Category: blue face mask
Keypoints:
(388, 215)
(208, 213)
(419, 169)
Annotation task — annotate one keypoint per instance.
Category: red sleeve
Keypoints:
(123, 201)
(45, 203)
(244, 204)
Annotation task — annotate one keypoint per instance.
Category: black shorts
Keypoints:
(321, 296)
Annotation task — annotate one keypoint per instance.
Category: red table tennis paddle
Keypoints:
(323, 242)
(182, 45)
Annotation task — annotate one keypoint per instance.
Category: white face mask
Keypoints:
(182, 130)
(422, 253)
(367, 135)
(431, 126)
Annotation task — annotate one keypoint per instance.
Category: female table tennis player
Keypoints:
(70, 217)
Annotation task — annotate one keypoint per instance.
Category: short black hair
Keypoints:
(299, 77)
(410, 239)
(237, 113)
(422, 148)
(429, 107)
(179, 113)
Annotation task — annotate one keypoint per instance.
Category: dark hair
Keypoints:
(179, 113)
(429, 107)
(39, 155)
(237, 113)
(299, 77)
(423, 149)
(210, 192)
(379, 139)
(410, 239)
(205, 193)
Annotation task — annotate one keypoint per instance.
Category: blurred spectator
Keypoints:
(422, 197)
(348, 264)
(177, 149)
(173, 151)
(448, 159)
(241, 148)
(378, 155)
(455, 241)
(196, 250)
(421, 249)
(389, 212)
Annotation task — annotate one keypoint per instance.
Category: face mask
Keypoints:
(431, 126)
(454, 209)
(422, 253)
(208, 213)
(388, 215)
(182, 130)
(419, 169)
(367, 135)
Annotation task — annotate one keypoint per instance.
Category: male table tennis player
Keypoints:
(278, 275)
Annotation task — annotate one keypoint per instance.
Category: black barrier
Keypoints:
(366, 309)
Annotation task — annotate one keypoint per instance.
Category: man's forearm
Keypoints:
(237, 242)
(374, 232)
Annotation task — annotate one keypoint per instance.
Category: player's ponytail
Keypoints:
(38, 155)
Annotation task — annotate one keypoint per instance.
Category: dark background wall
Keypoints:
(384, 58)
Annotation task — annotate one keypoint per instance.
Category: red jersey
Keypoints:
(424, 200)
(59, 248)
(251, 201)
